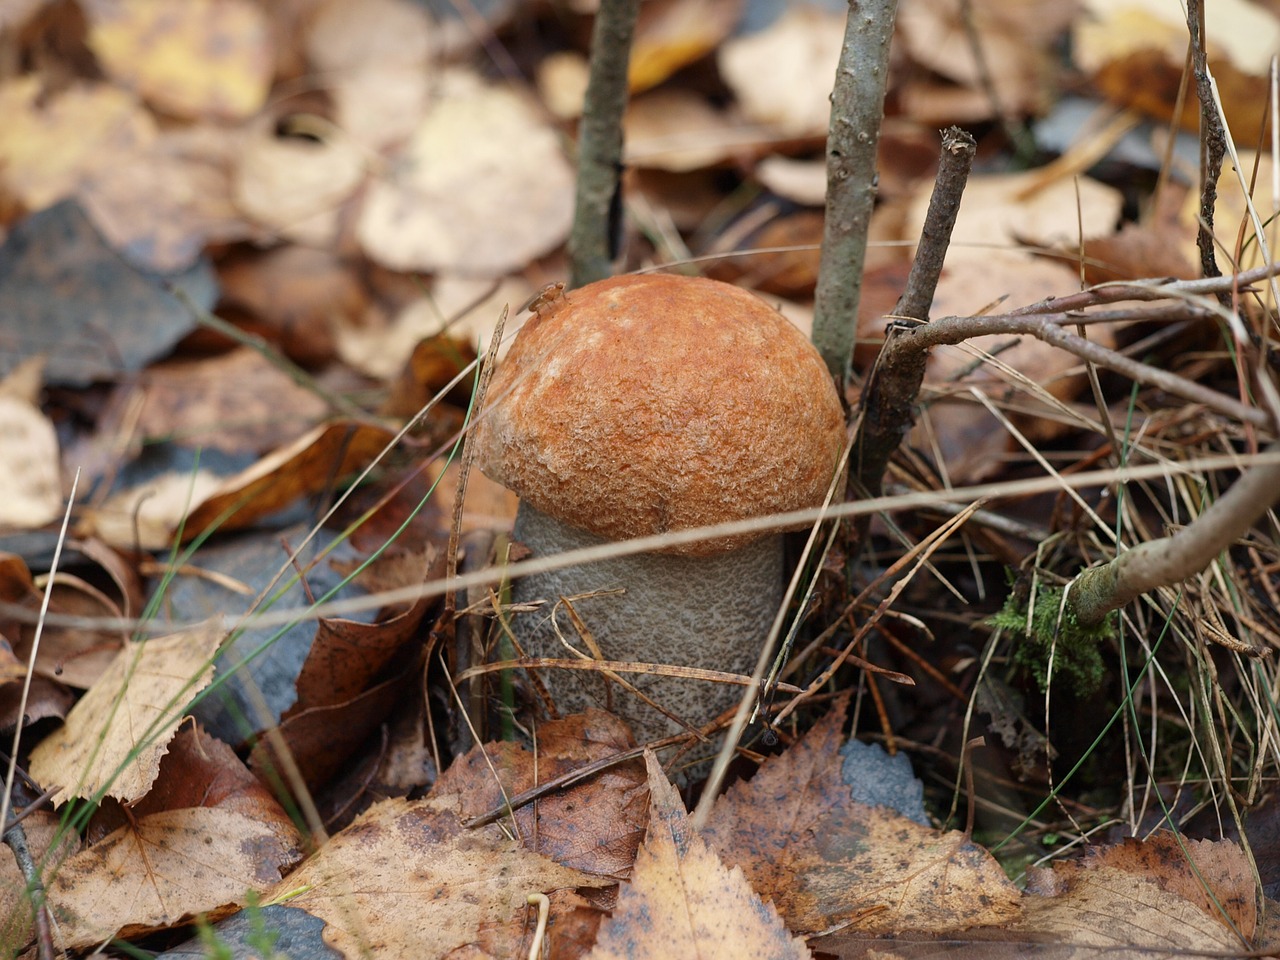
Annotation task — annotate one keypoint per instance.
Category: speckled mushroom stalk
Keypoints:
(643, 405)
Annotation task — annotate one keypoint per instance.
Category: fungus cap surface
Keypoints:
(645, 404)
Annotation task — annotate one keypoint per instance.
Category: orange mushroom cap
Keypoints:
(645, 404)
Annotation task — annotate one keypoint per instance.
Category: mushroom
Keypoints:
(640, 405)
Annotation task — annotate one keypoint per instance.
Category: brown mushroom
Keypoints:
(646, 404)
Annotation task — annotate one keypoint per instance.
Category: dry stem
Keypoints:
(857, 109)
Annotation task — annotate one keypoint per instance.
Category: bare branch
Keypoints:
(600, 143)
(857, 108)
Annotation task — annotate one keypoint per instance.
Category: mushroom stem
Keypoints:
(709, 612)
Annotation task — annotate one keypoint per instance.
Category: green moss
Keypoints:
(1075, 648)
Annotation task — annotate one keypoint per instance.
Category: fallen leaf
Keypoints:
(48, 147)
(1017, 43)
(30, 474)
(376, 55)
(826, 860)
(239, 402)
(61, 284)
(1135, 50)
(199, 58)
(671, 34)
(295, 186)
(481, 189)
(162, 202)
(164, 869)
(115, 736)
(594, 826)
(408, 880)
(801, 49)
(309, 464)
(1126, 915)
(50, 844)
(682, 901)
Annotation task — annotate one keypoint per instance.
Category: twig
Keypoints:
(1213, 143)
(857, 109)
(954, 164)
(1169, 560)
(600, 142)
(889, 396)
(16, 840)
(907, 346)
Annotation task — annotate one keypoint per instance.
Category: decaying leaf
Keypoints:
(830, 862)
(683, 902)
(115, 736)
(209, 58)
(408, 880)
(482, 188)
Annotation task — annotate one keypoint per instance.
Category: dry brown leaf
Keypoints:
(757, 820)
(1213, 875)
(295, 186)
(1135, 52)
(166, 868)
(825, 860)
(481, 189)
(678, 130)
(238, 402)
(160, 203)
(47, 147)
(144, 517)
(305, 466)
(115, 736)
(74, 655)
(1129, 916)
(801, 49)
(376, 56)
(207, 833)
(29, 467)
(300, 295)
(1018, 51)
(683, 902)
(671, 34)
(1008, 212)
(43, 829)
(594, 826)
(199, 58)
(408, 880)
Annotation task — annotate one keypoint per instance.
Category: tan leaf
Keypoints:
(595, 825)
(115, 736)
(1103, 906)
(295, 186)
(683, 902)
(166, 867)
(826, 860)
(199, 58)
(50, 844)
(801, 49)
(408, 880)
(238, 402)
(304, 466)
(29, 469)
(482, 188)
(47, 147)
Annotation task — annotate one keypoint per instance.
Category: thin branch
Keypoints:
(597, 204)
(857, 109)
(1213, 144)
(954, 164)
(1170, 560)
(907, 347)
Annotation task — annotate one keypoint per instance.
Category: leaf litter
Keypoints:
(353, 184)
